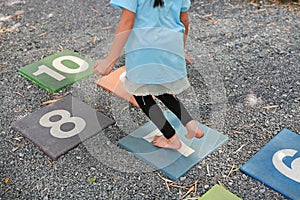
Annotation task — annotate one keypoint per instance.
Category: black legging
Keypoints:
(152, 110)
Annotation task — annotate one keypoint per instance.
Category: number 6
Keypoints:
(55, 130)
(293, 172)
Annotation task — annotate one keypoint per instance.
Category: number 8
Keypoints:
(55, 130)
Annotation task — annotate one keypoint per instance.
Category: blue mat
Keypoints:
(277, 164)
(171, 162)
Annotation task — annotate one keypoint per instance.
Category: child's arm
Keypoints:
(124, 28)
(184, 18)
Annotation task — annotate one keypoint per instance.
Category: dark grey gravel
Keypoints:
(247, 56)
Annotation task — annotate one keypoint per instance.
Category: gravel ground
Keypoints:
(246, 57)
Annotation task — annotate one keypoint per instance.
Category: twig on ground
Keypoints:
(221, 184)
(207, 168)
(18, 138)
(18, 93)
(7, 189)
(189, 191)
(243, 145)
(178, 186)
(95, 40)
(259, 11)
(49, 102)
(165, 179)
(106, 28)
(42, 34)
(18, 147)
(239, 132)
(232, 170)
(59, 97)
(51, 164)
(195, 184)
(167, 185)
(269, 107)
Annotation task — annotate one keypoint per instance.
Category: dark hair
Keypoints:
(158, 3)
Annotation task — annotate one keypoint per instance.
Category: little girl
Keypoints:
(155, 33)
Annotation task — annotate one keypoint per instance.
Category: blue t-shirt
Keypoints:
(155, 49)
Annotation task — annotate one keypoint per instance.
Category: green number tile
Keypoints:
(58, 70)
(217, 192)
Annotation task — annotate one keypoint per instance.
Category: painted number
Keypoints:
(65, 117)
(42, 69)
(293, 172)
(58, 64)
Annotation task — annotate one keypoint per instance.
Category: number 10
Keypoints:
(57, 63)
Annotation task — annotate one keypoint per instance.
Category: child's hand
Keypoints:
(189, 59)
(104, 67)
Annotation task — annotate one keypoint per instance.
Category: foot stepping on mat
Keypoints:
(173, 163)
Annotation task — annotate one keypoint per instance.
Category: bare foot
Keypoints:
(193, 130)
(172, 143)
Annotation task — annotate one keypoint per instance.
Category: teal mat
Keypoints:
(170, 162)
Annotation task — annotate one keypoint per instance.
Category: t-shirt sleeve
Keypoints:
(185, 6)
(130, 5)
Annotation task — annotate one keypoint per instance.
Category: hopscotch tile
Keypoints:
(218, 192)
(277, 164)
(113, 83)
(171, 162)
(58, 71)
(61, 126)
